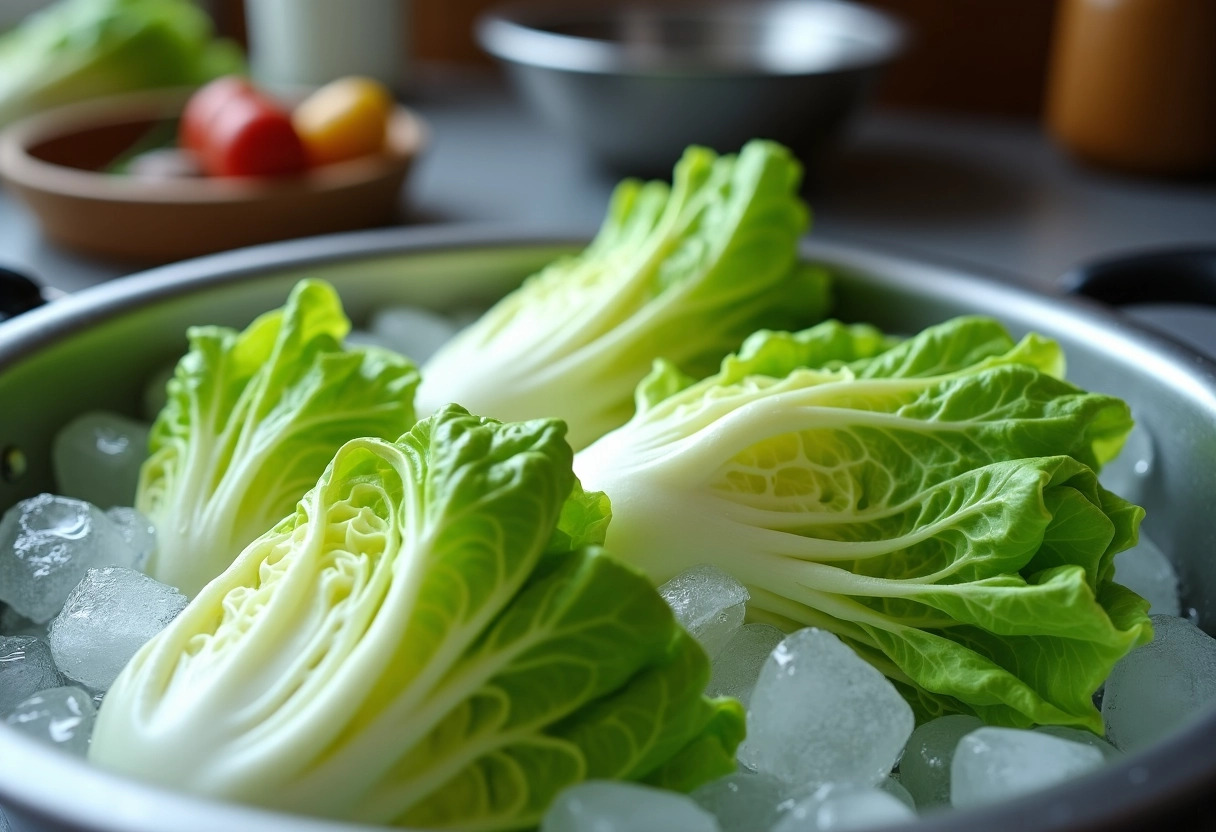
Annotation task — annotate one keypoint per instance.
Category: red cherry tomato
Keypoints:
(203, 106)
(237, 131)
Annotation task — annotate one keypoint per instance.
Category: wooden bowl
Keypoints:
(54, 162)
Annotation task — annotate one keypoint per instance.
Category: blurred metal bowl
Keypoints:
(635, 83)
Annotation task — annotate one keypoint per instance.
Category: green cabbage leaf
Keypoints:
(416, 645)
(683, 272)
(933, 502)
(252, 419)
(79, 49)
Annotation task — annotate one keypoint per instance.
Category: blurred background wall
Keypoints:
(968, 56)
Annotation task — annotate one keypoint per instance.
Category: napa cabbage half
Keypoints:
(418, 645)
(683, 271)
(932, 502)
(251, 421)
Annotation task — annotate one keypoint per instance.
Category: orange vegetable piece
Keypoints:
(343, 120)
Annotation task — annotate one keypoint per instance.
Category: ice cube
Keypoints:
(924, 770)
(413, 332)
(821, 714)
(834, 807)
(137, 531)
(1128, 474)
(744, 801)
(46, 545)
(97, 456)
(60, 716)
(737, 666)
(26, 667)
(106, 619)
(1145, 570)
(708, 603)
(1082, 736)
(992, 764)
(606, 806)
(893, 786)
(1161, 686)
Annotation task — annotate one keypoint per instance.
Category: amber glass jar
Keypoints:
(1133, 84)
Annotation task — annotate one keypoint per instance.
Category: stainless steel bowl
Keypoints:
(95, 349)
(636, 83)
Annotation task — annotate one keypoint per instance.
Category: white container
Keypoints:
(312, 42)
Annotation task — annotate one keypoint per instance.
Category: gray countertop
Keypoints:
(996, 195)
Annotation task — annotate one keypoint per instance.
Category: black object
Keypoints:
(18, 294)
(1162, 276)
